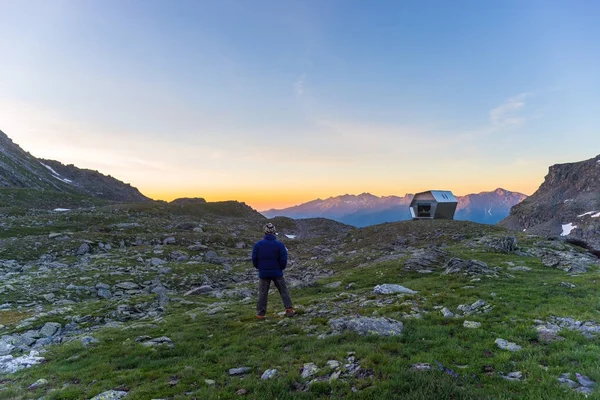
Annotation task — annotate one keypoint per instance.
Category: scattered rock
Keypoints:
(388, 288)
(421, 367)
(505, 345)
(506, 244)
(519, 268)
(10, 364)
(333, 364)
(210, 382)
(426, 260)
(567, 285)
(110, 395)
(512, 376)
(333, 285)
(83, 249)
(161, 341)
(309, 370)
(241, 392)
(239, 371)
(127, 285)
(169, 240)
(38, 384)
(472, 324)
(50, 329)
(368, 326)
(269, 374)
(470, 267)
(447, 313)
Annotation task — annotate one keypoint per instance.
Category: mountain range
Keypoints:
(367, 209)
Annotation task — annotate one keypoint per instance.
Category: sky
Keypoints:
(275, 103)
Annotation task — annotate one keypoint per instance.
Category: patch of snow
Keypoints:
(524, 229)
(567, 228)
(56, 174)
(584, 214)
(62, 209)
(567, 200)
(596, 215)
(291, 236)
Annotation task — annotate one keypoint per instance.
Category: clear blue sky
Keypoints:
(278, 102)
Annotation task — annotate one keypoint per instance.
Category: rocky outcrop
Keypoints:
(567, 204)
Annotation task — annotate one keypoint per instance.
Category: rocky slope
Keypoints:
(366, 209)
(19, 169)
(567, 204)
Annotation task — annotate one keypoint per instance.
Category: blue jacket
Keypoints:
(270, 257)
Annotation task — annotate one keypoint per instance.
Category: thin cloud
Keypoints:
(508, 112)
(299, 85)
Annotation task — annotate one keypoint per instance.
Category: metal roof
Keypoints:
(440, 196)
(444, 196)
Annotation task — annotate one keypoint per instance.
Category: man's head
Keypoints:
(270, 229)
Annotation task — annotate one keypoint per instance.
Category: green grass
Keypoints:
(209, 345)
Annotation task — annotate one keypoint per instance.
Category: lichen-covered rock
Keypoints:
(368, 326)
(389, 288)
(110, 395)
(468, 267)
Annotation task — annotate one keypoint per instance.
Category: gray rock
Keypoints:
(210, 382)
(368, 326)
(584, 380)
(104, 293)
(161, 341)
(38, 384)
(567, 285)
(333, 364)
(83, 249)
(388, 288)
(127, 285)
(468, 267)
(5, 348)
(10, 364)
(88, 340)
(199, 290)
(421, 367)
(472, 324)
(50, 329)
(333, 285)
(309, 370)
(447, 313)
(513, 376)
(179, 256)
(505, 345)
(239, 371)
(170, 240)
(110, 395)
(506, 244)
(426, 260)
(197, 247)
(156, 262)
(269, 374)
(102, 286)
(519, 268)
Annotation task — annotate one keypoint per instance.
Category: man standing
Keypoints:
(270, 257)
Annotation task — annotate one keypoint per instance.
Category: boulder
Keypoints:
(110, 395)
(368, 326)
(468, 267)
(50, 329)
(388, 288)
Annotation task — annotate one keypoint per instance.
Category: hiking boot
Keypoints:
(289, 312)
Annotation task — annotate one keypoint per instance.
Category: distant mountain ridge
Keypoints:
(566, 204)
(21, 170)
(367, 209)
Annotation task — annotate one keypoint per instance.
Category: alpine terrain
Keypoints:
(152, 300)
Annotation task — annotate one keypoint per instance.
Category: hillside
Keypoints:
(366, 209)
(21, 170)
(156, 300)
(567, 204)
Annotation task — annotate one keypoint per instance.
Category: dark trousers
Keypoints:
(263, 293)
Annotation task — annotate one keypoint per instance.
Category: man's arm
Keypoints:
(283, 257)
(255, 256)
